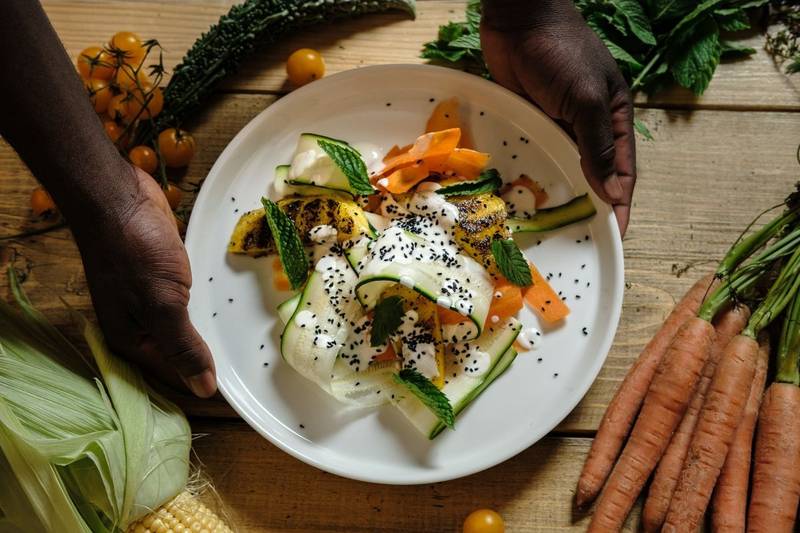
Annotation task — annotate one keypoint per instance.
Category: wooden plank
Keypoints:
(700, 182)
(264, 489)
(753, 83)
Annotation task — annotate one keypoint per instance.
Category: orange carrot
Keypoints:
(727, 326)
(730, 496)
(448, 316)
(619, 416)
(776, 464)
(403, 179)
(431, 148)
(671, 389)
(716, 427)
(543, 299)
(395, 151)
(446, 115)
(506, 302)
(464, 163)
(388, 355)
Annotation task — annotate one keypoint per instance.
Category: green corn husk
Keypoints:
(86, 446)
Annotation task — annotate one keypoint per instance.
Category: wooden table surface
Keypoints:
(716, 161)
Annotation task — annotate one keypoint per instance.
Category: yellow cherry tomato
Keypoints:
(144, 157)
(94, 62)
(119, 107)
(174, 195)
(42, 203)
(99, 93)
(113, 130)
(304, 66)
(128, 47)
(152, 99)
(176, 147)
(127, 78)
(484, 521)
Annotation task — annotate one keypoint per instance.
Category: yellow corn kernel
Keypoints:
(184, 514)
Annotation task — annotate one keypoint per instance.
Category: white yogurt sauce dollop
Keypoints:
(530, 338)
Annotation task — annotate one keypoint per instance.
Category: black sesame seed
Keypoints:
(505, 143)
(514, 156)
(266, 364)
(233, 199)
(539, 360)
(302, 426)
(261, 347)
(430, 100)
(446, 115)
(555, 375)
(230, 300)
(213, 315)
(236, 210)
(482, 113)
(388, 104)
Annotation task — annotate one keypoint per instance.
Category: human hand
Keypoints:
(139, 277)
(549, 54)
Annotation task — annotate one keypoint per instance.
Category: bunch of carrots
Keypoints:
(692, 412)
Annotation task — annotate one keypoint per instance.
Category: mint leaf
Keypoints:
(695, 61)
(468, 41)
(734, 50)
(388, 317)
(511, 262)
(287, 240)
(636, 19)
(621, 55)
(433, 51)
(732, 19)
(488, 181)
(350, 163)
(433, 398)
(643, 130)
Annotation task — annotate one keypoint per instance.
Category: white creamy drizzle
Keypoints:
(468, 358)
(520, 201)
(530, 338)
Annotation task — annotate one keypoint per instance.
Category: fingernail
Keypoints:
(202, 385)
(613, 187)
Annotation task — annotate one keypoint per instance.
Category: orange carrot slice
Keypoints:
(446, 115)
(432, 148)
(388, 355)
(506, 301)
(281, 282)
(402, 179)
(395, 151)
(543, 299)
(464, 163)
(448, 316)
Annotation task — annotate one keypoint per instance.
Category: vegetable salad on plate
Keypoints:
(407, 280)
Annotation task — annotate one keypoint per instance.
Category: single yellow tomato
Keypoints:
(144, 157)
(304, 66)
(94, 62)
(127, 46)
(128, 78)
(484, 521)
(176, 147)
(99, 93)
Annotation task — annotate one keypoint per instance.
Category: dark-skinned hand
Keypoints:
(545, 51)
(139, 277)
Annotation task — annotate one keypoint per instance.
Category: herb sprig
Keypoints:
(512, 262)
(654, 42)
(388, 317)
(351, 164)
(287, 240)
(433, 398)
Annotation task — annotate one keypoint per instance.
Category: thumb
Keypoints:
(182, 347)
(595, 137)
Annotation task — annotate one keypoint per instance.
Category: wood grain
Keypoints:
(754, 83)
(697, 189)
(263, 489)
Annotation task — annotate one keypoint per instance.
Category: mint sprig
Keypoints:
(511, 262)
(388, 317)
(350, 163)
(287, 240)
(433, 398)
(488, 181)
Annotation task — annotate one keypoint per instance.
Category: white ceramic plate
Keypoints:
(233, 301)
